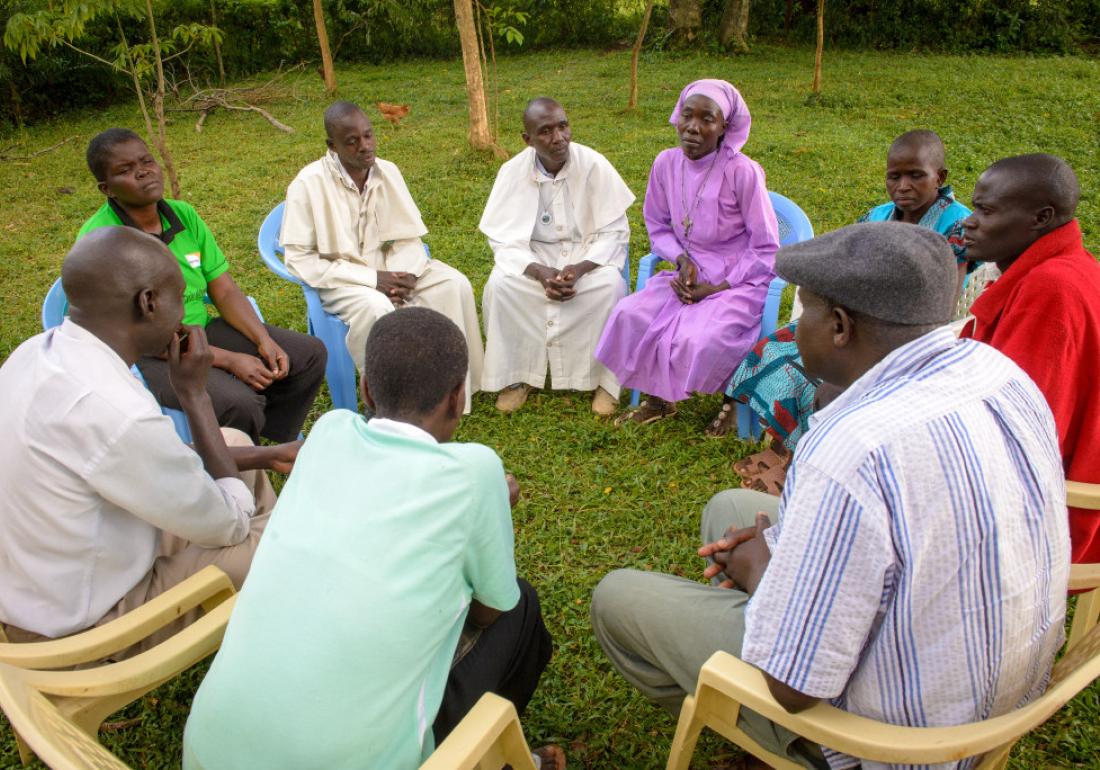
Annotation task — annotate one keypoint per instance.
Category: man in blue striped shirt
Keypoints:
(917, 569)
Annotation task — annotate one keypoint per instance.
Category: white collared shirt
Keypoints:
(92, 472)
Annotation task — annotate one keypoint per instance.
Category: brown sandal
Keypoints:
(645, 413)
(769, 466)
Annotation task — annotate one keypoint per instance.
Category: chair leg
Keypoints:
(748, 427)
(635, 398)
(688, 728)
(1085, 616)
(25, 753)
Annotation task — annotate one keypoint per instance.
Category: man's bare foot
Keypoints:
(552, 757)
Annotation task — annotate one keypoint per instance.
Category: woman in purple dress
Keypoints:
(707, 210)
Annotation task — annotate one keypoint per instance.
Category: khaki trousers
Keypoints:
(659, 630)
(179, 559)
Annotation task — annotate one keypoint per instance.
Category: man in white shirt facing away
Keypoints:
(104, 506)
(556, 221)
(352, 231)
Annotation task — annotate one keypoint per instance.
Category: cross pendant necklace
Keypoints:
(687, 221)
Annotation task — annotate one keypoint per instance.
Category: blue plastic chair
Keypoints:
(794, 226)
(340, 369)
(56, 306)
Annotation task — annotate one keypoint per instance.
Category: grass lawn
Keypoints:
(595, 498)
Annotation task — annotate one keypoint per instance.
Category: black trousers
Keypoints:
(508, 659)
(276, 413)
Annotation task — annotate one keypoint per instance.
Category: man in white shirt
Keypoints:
(104, 507)
(916, 569)
(556, 221)
(352, 231)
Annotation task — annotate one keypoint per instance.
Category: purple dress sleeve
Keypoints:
(658, 217)
(756, 263)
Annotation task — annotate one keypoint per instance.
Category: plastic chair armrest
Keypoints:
(735, 680)
(208, 587)
(490, 730)
(1082, 495)
(1084, 576)
(150, 668)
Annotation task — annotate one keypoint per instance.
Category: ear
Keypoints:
(843, 327)
(364, 389)
(329, 144)
(456, 401)
(1044, 217)
(146, 303)
(526, 139)
(941, 177)
(102, 187)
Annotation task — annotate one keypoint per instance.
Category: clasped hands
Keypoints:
(559, 285)
(741, 555)
(687, 286)
(396, 285)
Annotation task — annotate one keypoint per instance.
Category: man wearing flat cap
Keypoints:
(916, 569)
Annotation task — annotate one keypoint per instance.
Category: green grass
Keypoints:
(595, 498)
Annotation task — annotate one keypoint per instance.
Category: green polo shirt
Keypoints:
(187, 236)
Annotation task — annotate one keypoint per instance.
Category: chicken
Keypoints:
(393, 112)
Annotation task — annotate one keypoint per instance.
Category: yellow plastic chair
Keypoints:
(726, 683)
(58, 713)
(487, 738)
(86, 700)
(1084, 576)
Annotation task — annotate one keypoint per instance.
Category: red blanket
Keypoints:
(1044, 314)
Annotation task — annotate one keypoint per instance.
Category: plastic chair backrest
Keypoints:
(267, 241)
(794, 225)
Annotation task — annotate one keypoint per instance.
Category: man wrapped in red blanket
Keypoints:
(1044, 311)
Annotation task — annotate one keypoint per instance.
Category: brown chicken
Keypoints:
(393, 112)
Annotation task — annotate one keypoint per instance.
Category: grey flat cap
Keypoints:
(892, 271)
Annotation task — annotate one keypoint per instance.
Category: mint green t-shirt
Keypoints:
(341, 641)
(198, 254)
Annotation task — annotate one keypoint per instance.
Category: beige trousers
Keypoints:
(440, 287)
(179, 559)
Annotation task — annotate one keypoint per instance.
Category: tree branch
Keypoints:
(51, 148)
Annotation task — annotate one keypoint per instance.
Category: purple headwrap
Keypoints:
(729, 101)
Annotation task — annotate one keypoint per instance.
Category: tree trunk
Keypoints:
(632, 102)
(481, 138)
(685, 18)
(326, 54)
(160, 139)
(217, 45)
(733, 32)
(816, 86)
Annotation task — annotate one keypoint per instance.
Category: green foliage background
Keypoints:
(595, 498)
(261, 35)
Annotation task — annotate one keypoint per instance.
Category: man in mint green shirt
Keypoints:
(389, 543)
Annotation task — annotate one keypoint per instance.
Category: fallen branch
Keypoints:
(51, 148)
(206, 100)
(267, 115)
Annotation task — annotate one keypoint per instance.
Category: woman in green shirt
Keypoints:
(264, 378)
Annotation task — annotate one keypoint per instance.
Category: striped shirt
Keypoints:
(919, 565)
